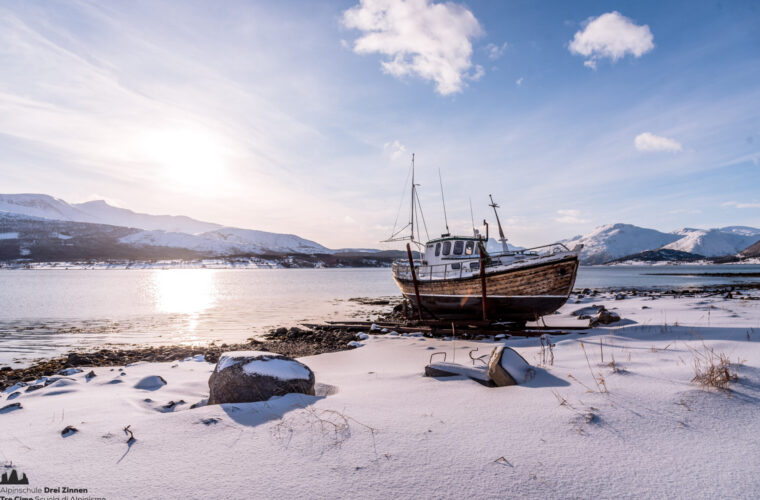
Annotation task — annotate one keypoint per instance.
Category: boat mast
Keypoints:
(414, 216)
(502, 238)
(411, 207)
(443, 200)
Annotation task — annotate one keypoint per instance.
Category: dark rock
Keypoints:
(151, 383)
(236, 380)
(587, 311)
(606, 317)
(11, 407)
(35, 387)
(90, 375)
(69, 430)
(172, 404)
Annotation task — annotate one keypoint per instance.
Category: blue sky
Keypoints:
(301, 116)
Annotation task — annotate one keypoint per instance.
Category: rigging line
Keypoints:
(399, 231)
(443, 200)
(401, 200)
(423, 216)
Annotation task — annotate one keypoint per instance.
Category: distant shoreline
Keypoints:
(300, 262)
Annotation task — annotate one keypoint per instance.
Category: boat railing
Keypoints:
(469, 266)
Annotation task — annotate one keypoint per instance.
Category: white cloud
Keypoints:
(431, 40)
(570, 217)
(611, 36)
(394, 149)
(650, 142)
(519, 81)
(477, 74)
(495, 51)
(741, 205)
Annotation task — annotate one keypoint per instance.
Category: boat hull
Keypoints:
(521, 294)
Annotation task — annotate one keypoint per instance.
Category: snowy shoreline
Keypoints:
(632, 424)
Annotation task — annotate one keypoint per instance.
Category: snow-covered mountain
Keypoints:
(715, 242)
(606, 243)
(44, 206)
(611, 242)
(751, 251)
(108, 214)
(227, 241)
(168, 231)
(99, 212)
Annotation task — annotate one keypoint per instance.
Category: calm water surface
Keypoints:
(46, 312)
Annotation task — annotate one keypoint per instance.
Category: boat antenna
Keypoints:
(472, 219)
(502, 238)
(443, 200)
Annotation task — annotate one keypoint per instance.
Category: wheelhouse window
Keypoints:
(458, 247)
(446, 247)
(437, 249)
(469, 248)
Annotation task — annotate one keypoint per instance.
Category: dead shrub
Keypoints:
(714, 369)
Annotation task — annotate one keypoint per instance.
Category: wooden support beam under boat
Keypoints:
(483, 280)
(414, 280)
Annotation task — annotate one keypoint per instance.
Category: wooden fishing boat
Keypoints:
(454, 277)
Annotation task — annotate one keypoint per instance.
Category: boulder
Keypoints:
(507, 367)
(150, 383)
(606, 317)
(587, 311)
(250, 376)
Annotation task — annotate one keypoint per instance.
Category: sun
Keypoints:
(189, 159)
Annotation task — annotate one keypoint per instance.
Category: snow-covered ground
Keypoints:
(379, 429)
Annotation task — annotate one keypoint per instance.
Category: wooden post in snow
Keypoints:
(414, 280)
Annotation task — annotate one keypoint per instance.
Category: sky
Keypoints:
(301, 117)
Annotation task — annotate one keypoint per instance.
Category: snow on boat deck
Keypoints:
(379, 429)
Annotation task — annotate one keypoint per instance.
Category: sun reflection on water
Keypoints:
(188, 292)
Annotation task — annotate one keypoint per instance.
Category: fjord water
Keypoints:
(47, 312)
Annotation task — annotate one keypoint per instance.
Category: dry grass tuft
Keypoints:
(598, 378)
(714, 369)
(547, 350)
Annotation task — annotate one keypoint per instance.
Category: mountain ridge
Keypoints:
(182, 235)
(169, 231)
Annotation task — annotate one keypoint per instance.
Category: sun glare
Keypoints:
(190, 159)
(184, 291)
